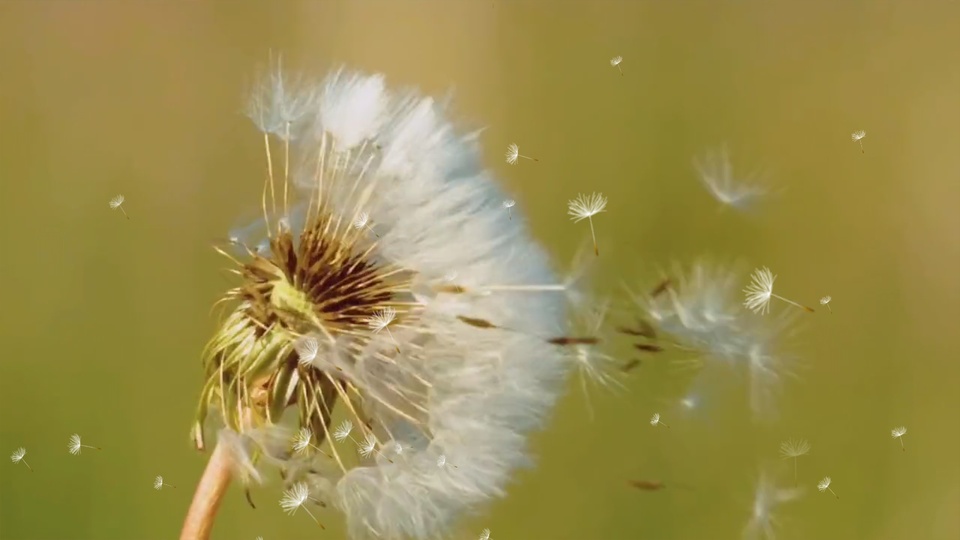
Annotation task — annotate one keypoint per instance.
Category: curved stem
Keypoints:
(206, 500)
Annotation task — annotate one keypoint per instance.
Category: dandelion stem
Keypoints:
(801, 306)
(206, 500)
(834, 493)
(530, 158)
(28, 465)
(596, 250)
(124, 212)
(795, 470)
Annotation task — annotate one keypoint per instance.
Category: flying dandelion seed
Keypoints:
(655, 421)
(792, 449)
(303, 440)
(484, 534)
(857, 137)
(701, 318)
(381, 321)
(76, 447)
(18, 455)
(507, 205)
(615, 62)
(295, 498)
(307, 349)
(760, 291)
(592, 364)
(513, 153)
(825, 301)
(584, 207)
(716, 174)
(159, 484)
(824, 485)
(767, 499)
(362, 221)
(117, 202)
(356, 146)
(898, 433)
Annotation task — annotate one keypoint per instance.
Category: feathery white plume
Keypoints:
(18, 455)
(763, 523)
(75, 446)
(716, 174)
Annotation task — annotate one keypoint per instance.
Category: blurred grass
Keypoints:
(104, 319)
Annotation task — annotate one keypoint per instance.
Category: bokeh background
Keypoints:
(103, 319)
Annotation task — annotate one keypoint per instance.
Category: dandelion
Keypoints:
(825, 301)
(18, 455)
(615, 62)
(792, 449)
(655, 421)
(334, 149)
(716, 174)
(117, 202)
(898, 433)
(824, 485)
(767, 498)
(295, 498)
(159, 484)
(585, 208)
(513, 152)
(76, 447)
(857, 137)
(760, 291)
(484, 534)
(362, 221)
(507, 205)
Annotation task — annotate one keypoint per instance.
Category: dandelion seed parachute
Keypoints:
(469, 394)
(703, 316)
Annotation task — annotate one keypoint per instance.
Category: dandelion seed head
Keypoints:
(858, 135)
(509, 203)
(471, 394)
(825, 300)
(898, 432)
(655, 419)
(116, 202)
(615, 61)
(484, 535)
(158, 483)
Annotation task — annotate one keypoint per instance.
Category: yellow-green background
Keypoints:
(103, 319)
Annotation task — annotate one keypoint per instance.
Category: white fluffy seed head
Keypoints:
(450, 389)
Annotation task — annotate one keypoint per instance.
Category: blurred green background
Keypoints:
(103, 319)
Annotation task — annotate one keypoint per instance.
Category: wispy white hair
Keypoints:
(703, 314)
(466, 392)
